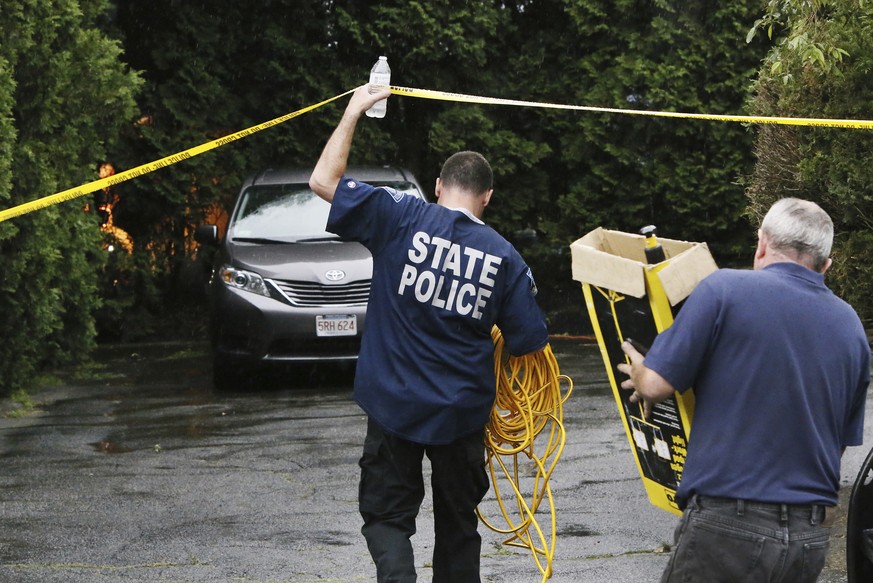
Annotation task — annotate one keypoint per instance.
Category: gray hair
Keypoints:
(800, 229)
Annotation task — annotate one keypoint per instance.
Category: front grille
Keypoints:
(314, 295)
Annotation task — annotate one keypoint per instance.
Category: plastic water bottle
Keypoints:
(653, 249)
(380, 74)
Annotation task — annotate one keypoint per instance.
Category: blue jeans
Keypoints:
(730, 541)
(390, 495)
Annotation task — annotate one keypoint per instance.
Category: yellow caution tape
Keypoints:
(96, 185)
(89, 187)
(799, 121)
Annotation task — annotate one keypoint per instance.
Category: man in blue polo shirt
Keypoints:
(425, 375)
(780, 369)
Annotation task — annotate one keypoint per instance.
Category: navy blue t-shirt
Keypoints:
(441, 280)
(780, 368)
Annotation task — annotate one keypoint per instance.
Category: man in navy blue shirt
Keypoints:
(780, 369)
(425, 375)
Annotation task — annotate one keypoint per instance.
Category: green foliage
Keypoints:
(21, 404)
(216, 67)
(823, 164)
(851, 270)
(623, 172)
(129, 297)
(63, 94)
(807, 25)
(211, 68)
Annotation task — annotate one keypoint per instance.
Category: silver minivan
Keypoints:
(283, 289)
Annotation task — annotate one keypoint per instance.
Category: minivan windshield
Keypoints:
(288, 213)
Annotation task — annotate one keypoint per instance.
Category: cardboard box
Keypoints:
(628, 298)
(617, 261)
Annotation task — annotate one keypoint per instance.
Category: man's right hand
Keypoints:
(365, 97)
(648, 386)
(334, 158)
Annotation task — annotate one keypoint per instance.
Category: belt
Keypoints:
(818, 514)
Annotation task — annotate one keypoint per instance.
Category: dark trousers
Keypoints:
(390, 495)
(731, 541)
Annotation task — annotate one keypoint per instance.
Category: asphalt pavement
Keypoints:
(140, 472)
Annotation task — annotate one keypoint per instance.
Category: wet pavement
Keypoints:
(143, 473)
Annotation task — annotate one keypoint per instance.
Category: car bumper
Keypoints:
(253, 328)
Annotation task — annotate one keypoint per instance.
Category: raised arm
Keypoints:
(335, 157)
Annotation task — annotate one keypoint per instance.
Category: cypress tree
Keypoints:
(63, 94)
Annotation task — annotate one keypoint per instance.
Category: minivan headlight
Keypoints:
(244, 280)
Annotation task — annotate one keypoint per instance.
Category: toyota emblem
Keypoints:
(335, 275)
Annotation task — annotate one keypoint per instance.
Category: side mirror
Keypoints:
(206, 234)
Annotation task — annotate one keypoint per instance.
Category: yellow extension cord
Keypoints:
(530, 396)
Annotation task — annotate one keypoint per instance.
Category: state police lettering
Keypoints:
(448, 275)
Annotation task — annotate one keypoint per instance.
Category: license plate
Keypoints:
(336, 325)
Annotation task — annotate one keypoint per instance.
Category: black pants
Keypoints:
(731, 541)
(390, 495)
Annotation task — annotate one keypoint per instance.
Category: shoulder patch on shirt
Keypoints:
(533, 284)
(397, 196)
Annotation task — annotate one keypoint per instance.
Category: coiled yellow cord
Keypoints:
(530, 396)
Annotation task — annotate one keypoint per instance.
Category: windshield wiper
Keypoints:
(259, 240)
(318, 239)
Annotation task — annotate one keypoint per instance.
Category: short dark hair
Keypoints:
(467, 171)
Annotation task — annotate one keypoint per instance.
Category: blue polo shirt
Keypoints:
(441, 280)
(780, 368)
